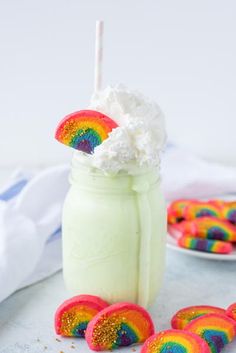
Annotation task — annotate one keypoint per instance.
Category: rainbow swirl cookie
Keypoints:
(208, 228)
(73, 316)
(216, 329)
(202, 209)
(121, 324)
(213, 246)
(175, 341)
(176, 210)
(185, 315)
(231, 311)
(84, 130)
(171, 217)
(229, 212)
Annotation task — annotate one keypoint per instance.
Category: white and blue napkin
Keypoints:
(30, 227)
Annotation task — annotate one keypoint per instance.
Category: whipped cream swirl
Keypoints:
(137, 141)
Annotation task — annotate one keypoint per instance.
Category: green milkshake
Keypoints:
(114, 219)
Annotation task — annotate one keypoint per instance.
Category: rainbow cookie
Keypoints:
(185, 315)
(208, 228)
(175, 341)
(229, 212)
(216, 329)
(171, 217)
(121, 324)
(202, 209)
(231, 311)
(214, 246)
(73, 316)
(176, 210)
(84, 130)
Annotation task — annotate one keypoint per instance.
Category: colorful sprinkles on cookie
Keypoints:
(212, 246)
(185, 315)
(121, 324)
(175, 341)
(216, 329)
(84, 130)
(231, 311)
(73, 316)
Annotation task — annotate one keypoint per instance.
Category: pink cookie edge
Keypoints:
(229, 311)
(86, 299)
(174, 319)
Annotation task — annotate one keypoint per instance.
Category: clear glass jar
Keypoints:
(114, 231)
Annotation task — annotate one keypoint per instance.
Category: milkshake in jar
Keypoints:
(114, 217)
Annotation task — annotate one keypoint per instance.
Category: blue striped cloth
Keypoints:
(11, 191)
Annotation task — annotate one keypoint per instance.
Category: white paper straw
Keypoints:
(98, 56)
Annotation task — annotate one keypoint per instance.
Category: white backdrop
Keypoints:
(181, 53)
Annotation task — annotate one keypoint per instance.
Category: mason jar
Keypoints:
(114, 233)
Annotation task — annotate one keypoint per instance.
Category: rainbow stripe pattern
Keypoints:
(84, 130)
(231, 311)
(175, 341)
(213, 246)
(183, 209)
(208, 228)
(185, 315)
(217, 330)
(202, 209)
(229, 212)
(73, 316)
(121, 324)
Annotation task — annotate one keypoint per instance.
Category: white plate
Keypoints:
(172, 244)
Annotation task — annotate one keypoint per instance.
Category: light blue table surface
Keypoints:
(26, 318)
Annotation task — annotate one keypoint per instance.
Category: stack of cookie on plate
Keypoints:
(203, 225)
